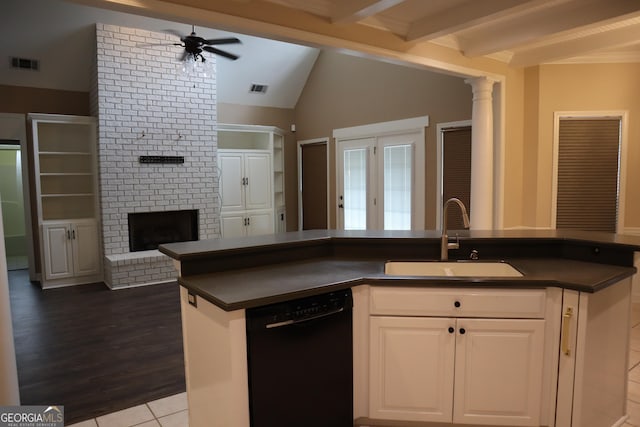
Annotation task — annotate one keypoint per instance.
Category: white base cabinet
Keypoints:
(246, 223)
(412, 366)
(593, 357)
(480, 371)
(70, 250)
(498, 371)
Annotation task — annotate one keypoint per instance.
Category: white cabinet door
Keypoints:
(233, 224)
(231, 180)
(84, 238)
(260, 222)
(57, 251)
(498, 371)
(411, 368)
(257, 168)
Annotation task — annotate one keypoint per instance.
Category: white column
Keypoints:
(9, 394)
(482, 154)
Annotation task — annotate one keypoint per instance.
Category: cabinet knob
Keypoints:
(457, 304)
(462, 331)
(451, 330)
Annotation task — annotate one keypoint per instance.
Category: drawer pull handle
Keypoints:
(457, 304)
(566, 330)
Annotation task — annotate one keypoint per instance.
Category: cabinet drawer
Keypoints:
(458, 302)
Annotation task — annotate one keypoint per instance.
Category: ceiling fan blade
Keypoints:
(184, 55)
(229, 40)
(221, 52)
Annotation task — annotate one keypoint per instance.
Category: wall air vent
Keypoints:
(25, 64)
(257, 88)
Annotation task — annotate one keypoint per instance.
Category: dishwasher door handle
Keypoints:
(306, 319)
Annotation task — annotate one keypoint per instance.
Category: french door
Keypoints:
(377, 183)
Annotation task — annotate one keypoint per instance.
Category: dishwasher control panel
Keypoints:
(299, 310)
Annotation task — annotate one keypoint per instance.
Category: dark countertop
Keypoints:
(257, 286)
(206, 248)
(243, 273)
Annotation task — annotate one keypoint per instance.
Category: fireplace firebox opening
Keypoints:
(147, 230)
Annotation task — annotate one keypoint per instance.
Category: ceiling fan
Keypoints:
(194, 46)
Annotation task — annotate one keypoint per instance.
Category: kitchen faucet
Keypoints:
(445, 245)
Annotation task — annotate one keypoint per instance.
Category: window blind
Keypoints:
(456, 172)
(587, 194)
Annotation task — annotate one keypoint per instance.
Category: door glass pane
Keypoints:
(355, 189)
(397, 187)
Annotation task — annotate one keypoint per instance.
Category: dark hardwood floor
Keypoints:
(94, 350)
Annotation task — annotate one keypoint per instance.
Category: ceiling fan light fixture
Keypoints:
(197, 66)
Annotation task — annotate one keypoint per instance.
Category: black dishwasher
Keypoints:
(300, 356)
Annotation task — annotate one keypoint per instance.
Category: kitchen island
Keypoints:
(548, 348)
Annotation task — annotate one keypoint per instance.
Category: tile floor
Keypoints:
(168, 412)
(172, 411)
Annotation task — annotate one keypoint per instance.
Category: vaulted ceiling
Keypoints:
(519, 32)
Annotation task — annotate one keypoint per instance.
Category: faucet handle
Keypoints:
(454, 245)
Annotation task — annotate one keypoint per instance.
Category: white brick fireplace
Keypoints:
(146, 108)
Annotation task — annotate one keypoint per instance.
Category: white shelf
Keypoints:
(65, 159)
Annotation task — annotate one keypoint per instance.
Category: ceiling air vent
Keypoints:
(25, 64)
(256, 88)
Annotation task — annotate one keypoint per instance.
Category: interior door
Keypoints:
(314, 186)
(456, 172)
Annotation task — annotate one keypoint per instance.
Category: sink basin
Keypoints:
(450, 269)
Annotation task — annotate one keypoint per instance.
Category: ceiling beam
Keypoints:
(614, 38)
(349, 11)
(470, 14)
(545, 22)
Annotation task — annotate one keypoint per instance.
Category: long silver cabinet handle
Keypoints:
(566, 330)
(293, 322)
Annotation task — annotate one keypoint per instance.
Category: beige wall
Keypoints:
(281, 118)
(585, 87)
(345, 90)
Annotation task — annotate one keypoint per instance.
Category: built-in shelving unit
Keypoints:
(66, 195)
(251, 162)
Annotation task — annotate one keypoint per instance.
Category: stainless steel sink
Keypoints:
(450, 269)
